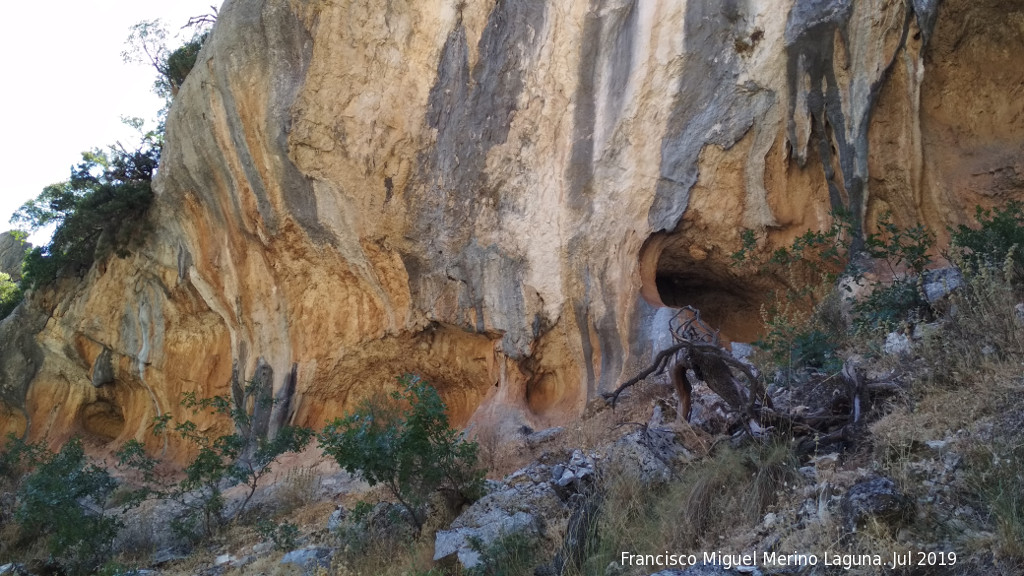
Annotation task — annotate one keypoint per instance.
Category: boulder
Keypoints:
(12, 252)
(940, 283)
(897, 344)
(873, 498)
(528, 509)
(577, 475)
(647, 455)
(309, 557)
(14, 569)
(537, 438)
(335, 519)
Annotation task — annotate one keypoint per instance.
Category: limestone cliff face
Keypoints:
(12, 251)
(503, 195)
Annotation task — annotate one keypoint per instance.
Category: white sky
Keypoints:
(65, 87)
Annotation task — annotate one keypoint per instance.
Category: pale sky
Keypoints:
(65, 87)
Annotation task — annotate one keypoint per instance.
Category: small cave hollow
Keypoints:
(102, 419)
(675, 273)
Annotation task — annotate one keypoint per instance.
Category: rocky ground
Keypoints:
(904, 459)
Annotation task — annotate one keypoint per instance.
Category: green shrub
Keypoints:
(62, 502)
(807, 270)
(413, 454)
(889, 305)
(147, 44)
(510, 555)
(998, 238)
(10, 295)
(97, 212)
(181, 61)
(229, 459)
(906, 253)
(815, 349)
(804, 327)
(284, 535)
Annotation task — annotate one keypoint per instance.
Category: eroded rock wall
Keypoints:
(12, 252)
(502, 195)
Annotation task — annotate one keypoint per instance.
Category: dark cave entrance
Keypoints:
(675, 274)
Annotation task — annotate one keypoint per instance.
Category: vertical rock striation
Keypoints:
(501, 195)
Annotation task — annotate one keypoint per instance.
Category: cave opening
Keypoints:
(676, 272)
(102, 419)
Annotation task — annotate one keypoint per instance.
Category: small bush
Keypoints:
(807, 269)
(887, 307)
(906, 253)
(413, 453)
(63, 503)
(181, 61)
(285, 535)
(795, 342)
(998, 238)
(10, 295)
(98, 211)
(510, 555)
(222, 461)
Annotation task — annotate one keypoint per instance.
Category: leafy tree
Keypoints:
(97, 212)
(10, 295)
(407, 445)
(906, 252)
(222, 461)
(147, 44)
(63, 503)
(996, 241)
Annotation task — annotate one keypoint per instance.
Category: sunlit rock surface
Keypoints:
(500, 196)
(12, 251)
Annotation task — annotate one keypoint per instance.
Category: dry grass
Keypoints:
(968, 394)
(299, 487)
(385, 557)
(709, 501)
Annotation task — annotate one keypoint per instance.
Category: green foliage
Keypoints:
(10, 295)
(901, 247)
(800, 346)
(999, 238)
(800, 329)
(808, 270)
(221, 461)
(181, 61)
(147, 44)
(510, 555)
(284, 535)
(412, 453)
(98, 211)
(813, 260)
(361, 511)
(906, 253)
(18, 457)
(890, 305)
(62, 502)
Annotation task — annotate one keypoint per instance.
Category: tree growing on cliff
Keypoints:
(97, 212)
(405, 443)
(147, 44)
